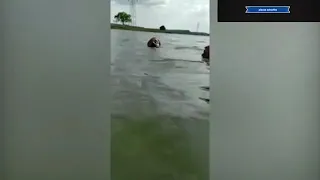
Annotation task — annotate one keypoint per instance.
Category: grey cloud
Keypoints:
(203, 11)
(143, 2)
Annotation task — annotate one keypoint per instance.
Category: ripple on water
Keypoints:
(172, 60)
(189, 47)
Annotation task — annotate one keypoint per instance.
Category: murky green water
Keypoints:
(160, 127)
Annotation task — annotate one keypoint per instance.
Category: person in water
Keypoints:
(206, 52)
(154, 42)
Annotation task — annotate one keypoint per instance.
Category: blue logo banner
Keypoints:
(267, 9)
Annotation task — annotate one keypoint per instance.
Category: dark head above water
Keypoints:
(154, 42)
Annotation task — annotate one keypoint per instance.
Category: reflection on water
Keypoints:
(160, 114)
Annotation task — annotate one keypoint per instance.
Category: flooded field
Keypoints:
(160, 125)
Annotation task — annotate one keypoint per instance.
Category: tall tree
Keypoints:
(123, 17)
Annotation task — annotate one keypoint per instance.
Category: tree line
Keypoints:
(125, 18)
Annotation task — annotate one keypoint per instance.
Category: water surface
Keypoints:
(159, 122)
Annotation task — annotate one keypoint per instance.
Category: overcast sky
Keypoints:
(174, 14)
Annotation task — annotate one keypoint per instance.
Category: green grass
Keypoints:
(152, 149)
(143, 29)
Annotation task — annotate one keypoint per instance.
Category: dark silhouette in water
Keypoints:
(154, 42)
(206, 52)
(206, 55)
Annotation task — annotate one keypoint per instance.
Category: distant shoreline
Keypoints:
(143, 29)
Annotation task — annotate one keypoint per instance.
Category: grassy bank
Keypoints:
(143, 29)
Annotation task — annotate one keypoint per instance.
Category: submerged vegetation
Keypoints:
(152, 148)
